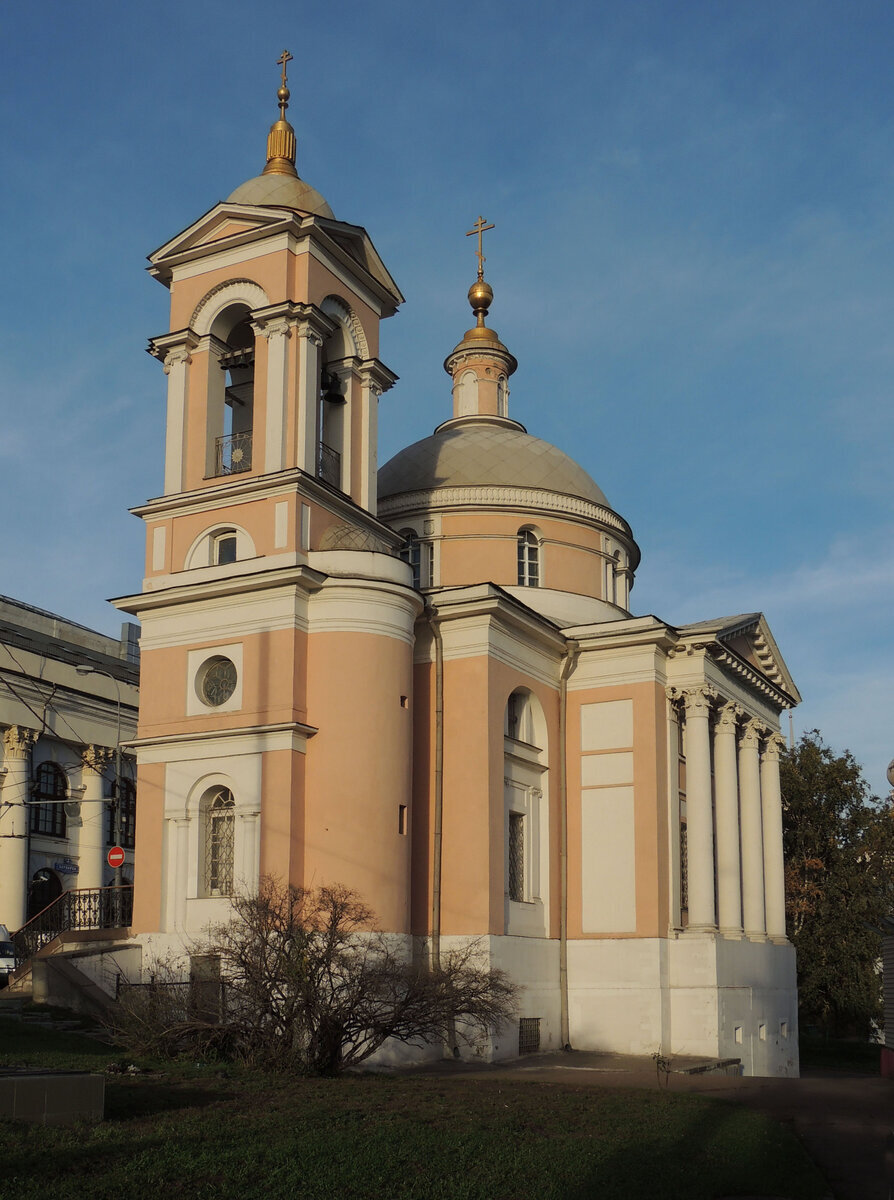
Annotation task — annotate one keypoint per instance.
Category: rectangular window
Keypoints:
(402, 819)
(516, 856)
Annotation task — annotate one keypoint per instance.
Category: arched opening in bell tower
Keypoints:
(231, 396)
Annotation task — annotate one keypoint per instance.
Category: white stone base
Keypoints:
(698, 994)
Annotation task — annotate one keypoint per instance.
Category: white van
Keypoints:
(7, 956)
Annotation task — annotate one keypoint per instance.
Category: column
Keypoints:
(375, 379)
(177, 861)
(752, 837)
(699, 816)
(369, 440)
(726, 802)
(308, 397)
(92, 839)
(774, 865)
(17, 744)
(277, 333)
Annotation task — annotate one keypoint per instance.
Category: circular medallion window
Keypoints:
(216, 681)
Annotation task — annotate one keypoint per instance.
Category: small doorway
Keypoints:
(44, 888)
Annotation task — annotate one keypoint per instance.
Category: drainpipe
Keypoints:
(431, 615)
(569, 662)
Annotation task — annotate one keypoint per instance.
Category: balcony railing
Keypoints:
(233, 454)
(330, 465)
(81, 908)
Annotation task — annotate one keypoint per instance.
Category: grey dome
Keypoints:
(282, 191)
(475, 452)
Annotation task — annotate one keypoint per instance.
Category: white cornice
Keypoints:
(301, 577)
(182, 747)
(233, 490)
(536, 499)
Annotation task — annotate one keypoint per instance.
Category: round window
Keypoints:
(217, 681)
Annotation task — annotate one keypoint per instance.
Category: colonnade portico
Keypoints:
(85, 834)
(735, 871)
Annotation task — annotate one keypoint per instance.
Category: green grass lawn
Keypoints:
(190, 1131)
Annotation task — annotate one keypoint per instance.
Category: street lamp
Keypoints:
(83, 669)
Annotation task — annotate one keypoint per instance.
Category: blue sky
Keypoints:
(693, 263)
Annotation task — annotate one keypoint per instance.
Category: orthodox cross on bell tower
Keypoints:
(283, 93)
(480, 228)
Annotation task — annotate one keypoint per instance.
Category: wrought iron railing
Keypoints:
(330, 465)
(81, 908)
(233, 454)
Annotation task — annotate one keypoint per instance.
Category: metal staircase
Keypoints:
(79, 911)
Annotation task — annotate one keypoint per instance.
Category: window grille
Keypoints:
(528, 1035)
(528, 559)
(48, 796)
(127, 817)
(220, 829)
(516, 856)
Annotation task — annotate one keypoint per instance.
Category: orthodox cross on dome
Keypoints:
(283, 93)
(480, 228)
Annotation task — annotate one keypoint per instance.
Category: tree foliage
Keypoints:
(839, 852)
(309, 985)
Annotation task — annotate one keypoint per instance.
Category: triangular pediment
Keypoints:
(745, 639)
(231, 225)
(220, 223)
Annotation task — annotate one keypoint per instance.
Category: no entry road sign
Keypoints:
(115, 857)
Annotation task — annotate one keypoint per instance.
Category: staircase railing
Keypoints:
(81, 908)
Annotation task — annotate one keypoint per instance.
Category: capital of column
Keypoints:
(376, 377)
(173, 348)
(752, 732)
(97, 758)
(698, 700)
(309, 334)
(728, 717)
(18, 741)
(773, 747)
(280, 327)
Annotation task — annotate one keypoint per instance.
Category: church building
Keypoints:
(425, 681)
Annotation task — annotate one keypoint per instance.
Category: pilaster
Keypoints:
(173, 349)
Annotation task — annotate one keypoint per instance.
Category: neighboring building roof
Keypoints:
(281, 191)
(35, 629)
(472, 452)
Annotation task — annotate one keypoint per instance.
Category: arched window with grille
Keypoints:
(127, 818)
(219, 830)
(528, 558)
(48, 798)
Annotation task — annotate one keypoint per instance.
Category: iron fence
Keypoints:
(81, 908)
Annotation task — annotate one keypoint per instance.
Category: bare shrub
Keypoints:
(309, 985)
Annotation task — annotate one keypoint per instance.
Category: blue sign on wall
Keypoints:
(66, 867)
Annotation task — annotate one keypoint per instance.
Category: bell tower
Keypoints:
(265, 559)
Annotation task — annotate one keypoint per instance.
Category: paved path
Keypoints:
(846, 1121)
